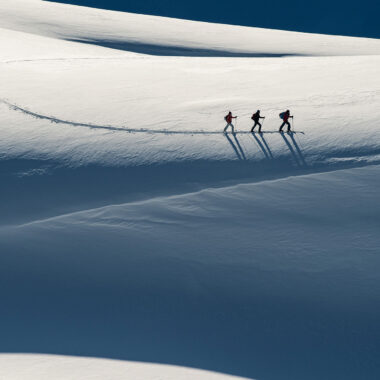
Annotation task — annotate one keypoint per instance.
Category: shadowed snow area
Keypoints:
(233, 280)
(133, 228)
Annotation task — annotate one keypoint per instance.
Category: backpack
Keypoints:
(225, 117)
(253, 117)
(282, 114)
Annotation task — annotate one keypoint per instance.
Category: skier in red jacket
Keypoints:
(228, 118)
(285, 117)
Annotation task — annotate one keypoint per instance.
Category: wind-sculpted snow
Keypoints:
(172, 37)
(269, 280)
(133, 228)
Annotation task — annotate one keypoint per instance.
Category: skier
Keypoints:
(256, 118)
(285, 117)
(228, 118)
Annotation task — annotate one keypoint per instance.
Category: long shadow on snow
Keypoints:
(234, 147)
(175, 51)
(298, 149)
(293, 153)
(266, 147)
(266, 151)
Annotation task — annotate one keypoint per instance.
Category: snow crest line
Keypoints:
(52, 119)
(75, 215)
(71, 59)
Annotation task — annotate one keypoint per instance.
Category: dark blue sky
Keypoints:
(355, 18)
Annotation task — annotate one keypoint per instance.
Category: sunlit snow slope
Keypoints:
(132, 228)
(47, 367)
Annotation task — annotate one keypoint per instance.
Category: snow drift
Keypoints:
(164, 36)
(131, 228)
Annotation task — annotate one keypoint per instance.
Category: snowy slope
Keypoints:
(271, 280)
(46, 367)
(162, 113)
(165, 36)
(132, 228)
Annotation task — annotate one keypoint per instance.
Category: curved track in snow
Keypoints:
(120, 129)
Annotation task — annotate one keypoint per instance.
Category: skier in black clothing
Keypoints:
(285, 117)
(256, 118)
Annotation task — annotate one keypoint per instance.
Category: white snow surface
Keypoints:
(47, 367)
(165, 36)
(132, 228)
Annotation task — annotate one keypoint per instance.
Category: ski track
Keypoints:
(53, 119)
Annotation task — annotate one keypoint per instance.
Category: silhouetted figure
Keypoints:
(256, 118)
(285, 117)
(228, 118)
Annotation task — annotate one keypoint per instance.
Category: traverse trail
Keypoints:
(53, 119)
